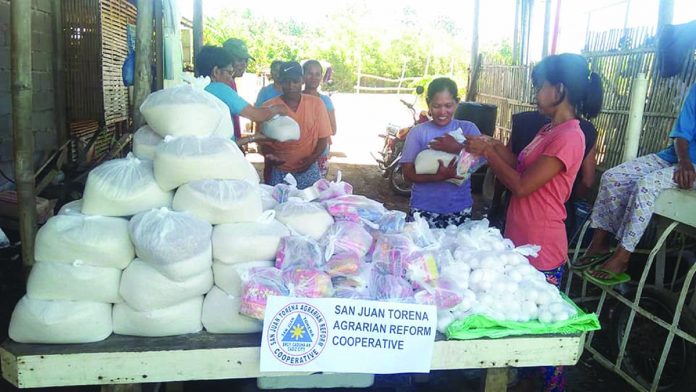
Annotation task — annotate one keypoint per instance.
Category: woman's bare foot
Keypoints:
(616, 264)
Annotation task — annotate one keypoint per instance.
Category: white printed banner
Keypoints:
(347, 336)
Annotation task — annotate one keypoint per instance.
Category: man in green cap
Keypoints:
(240, 58)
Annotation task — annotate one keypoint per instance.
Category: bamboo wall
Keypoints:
(617, 57)
(95, 45)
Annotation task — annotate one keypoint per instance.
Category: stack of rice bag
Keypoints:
(181, 237)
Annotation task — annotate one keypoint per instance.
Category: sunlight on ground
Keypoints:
(360, 119)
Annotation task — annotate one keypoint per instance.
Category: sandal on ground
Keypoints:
(613, 279)
(587, 261)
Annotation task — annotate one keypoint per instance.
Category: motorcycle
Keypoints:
(390, 155)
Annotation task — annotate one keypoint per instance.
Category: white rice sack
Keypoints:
(183, 110)
(268, 202)
(99, 241)
(60, 322)
(188, 158)
(220, 201)
(228, 277)
(176, 243)
(309, 219)
(72, 208)
(123, 187)
(247, 241)
(225, 128)
(145, 288)
(179, 319)
(145, 141)
(427, 161)
(281, 128)
(73, 282)
(221, 314)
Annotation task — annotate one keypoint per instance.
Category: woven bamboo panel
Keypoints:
(82, 44)
(95, 47)
(115, 16)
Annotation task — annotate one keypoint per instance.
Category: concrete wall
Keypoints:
(43, 118)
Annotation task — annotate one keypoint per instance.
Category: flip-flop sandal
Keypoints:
(592, 260)
(613, 279)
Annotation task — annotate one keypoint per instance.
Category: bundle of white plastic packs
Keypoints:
(145, 141)
(60, 322)
(183, 110)
(428, 161)
(268, 202)
(309, 219)
(144, 288)
(179, 319)
(177, 244)
(123, 187)
(98, 241)
(221, 314)
(220, 201)
(248, 241)
(73, 282)
(281, 128)
(228, 277)
(184, 159)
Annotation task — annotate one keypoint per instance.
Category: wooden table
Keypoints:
(204, 356)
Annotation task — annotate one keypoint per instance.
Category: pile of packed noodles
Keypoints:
(180, 236)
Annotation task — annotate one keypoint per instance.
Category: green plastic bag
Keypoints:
(479, 326)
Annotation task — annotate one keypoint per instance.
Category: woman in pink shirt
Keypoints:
(542, 176)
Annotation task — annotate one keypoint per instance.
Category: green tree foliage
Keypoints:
(349, 40)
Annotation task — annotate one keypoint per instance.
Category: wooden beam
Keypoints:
(516, 35)
(23, 136)
(59, 74)
(556, 24)
(547, 28)
(475, 36)
(197, 27)
(143, 55)
(159, 45)
(472, 91)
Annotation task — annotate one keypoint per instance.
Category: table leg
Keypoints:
(121, 388)
(661, 255)
(496, 380)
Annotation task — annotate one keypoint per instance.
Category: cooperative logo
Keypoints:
(297, 334)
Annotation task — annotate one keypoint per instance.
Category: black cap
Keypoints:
(290, 70)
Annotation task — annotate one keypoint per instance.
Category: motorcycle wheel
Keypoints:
(398, 183)
(647, 340)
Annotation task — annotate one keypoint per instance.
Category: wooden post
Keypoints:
(401, 79)
(143, 54)
(665, 14)
(23, 136)
(159, 45)
(547, 29)
(473, 82)
(59, 74)
(516, 35)
(197, 27)
(475, 36)
(357, 87)
(524, 26)
(556, 24)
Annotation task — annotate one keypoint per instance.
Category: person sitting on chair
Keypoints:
(627, 195)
